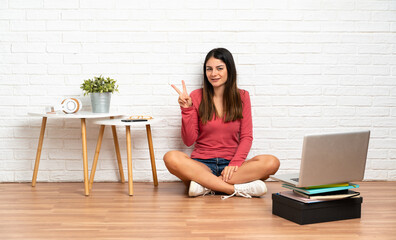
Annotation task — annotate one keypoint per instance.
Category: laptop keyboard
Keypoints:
(295, 179)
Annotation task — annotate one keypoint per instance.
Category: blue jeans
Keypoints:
(215, 164)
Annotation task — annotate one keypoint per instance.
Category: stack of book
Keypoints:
(317, 204)
(320, 193)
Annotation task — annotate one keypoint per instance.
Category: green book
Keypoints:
(320, 190)
(329, 185)
(329, 195)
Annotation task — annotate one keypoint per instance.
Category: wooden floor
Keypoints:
(61, 211)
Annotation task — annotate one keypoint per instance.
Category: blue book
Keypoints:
(320, 190)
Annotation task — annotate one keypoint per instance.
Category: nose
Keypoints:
(214, 72)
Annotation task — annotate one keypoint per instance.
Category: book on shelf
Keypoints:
(320, 190)
(329, 195)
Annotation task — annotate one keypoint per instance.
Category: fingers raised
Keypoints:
(184, 87)
(177, 90)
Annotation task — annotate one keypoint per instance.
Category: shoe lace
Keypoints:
(239, 192)
(211, 193)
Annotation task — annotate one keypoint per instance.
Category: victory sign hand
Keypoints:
(184, 99)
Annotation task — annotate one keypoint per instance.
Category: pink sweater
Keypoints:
(231, 140)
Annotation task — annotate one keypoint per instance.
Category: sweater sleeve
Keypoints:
(190, 126)
(246, 132)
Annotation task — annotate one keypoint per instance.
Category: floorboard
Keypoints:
(61, 211)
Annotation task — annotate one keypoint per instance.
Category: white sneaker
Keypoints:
(256, 188)
(197, 189)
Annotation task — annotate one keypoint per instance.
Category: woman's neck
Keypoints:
(218, 92)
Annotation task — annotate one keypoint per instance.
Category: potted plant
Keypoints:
(100, 90)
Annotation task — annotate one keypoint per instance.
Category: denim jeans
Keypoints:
(215, 164)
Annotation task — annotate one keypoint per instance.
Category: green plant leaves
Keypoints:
(99, 85)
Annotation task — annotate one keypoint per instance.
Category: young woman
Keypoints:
(217, 118)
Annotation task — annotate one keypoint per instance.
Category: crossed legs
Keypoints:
(187, 169)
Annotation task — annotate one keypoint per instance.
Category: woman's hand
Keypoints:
(228, 172)
(184, 99)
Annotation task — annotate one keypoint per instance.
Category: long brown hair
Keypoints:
(232, 104)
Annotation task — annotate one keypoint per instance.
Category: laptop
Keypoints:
(329, 159)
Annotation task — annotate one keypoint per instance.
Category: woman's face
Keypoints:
(216, 72)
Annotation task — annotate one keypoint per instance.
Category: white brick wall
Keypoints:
(311, 66)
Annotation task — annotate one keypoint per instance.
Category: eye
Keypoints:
(208, 69)
(220, 68)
